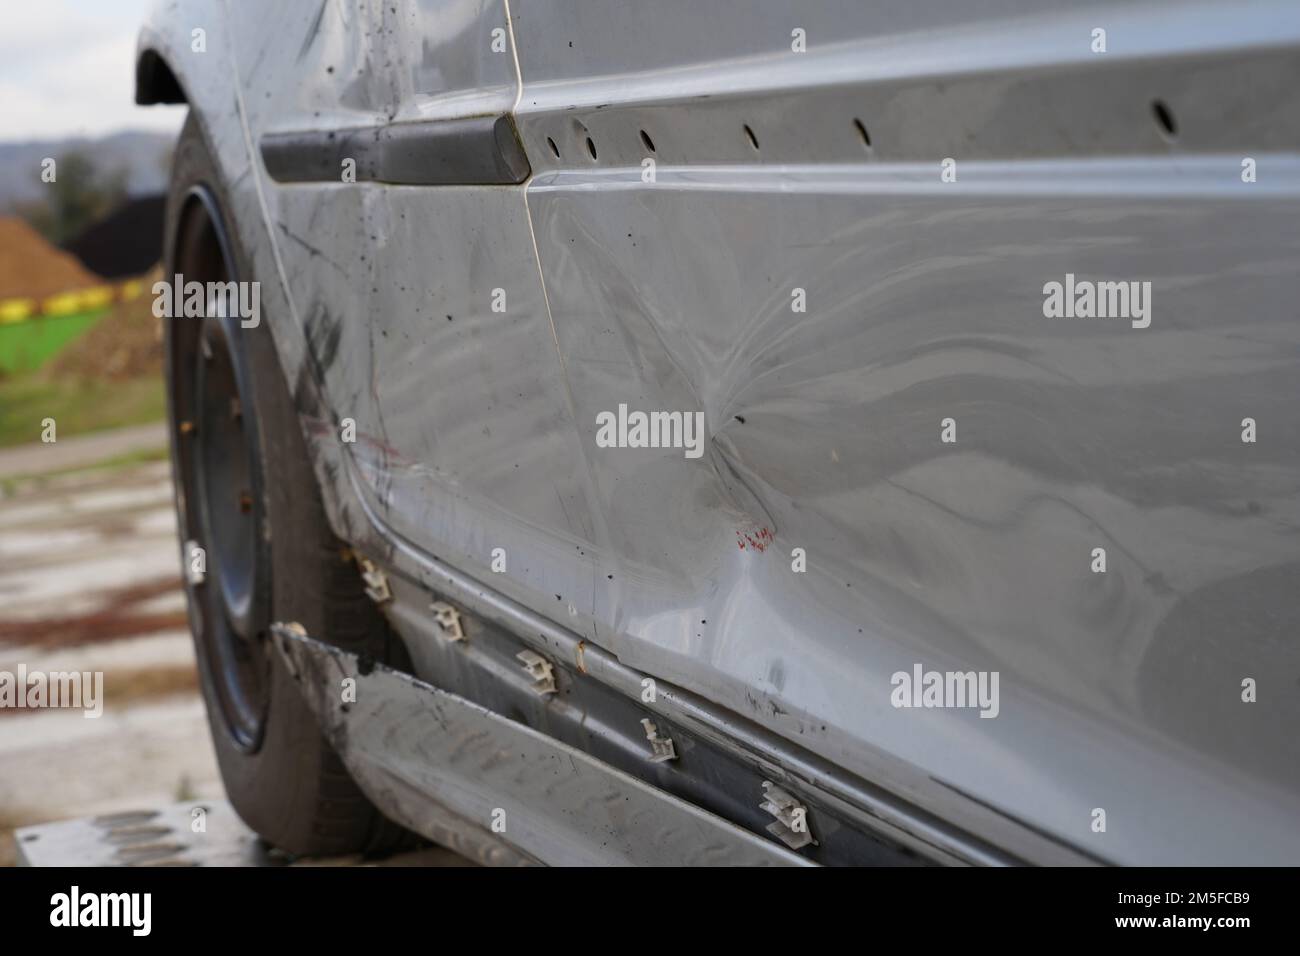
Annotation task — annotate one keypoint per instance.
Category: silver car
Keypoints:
(742, 432)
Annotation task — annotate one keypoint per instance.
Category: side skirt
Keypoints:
(446, 767)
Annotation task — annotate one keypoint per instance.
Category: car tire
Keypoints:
(247, 495)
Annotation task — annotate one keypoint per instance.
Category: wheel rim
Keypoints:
(220, 470)
(225, 475)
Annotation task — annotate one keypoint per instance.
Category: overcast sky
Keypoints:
(67, 67)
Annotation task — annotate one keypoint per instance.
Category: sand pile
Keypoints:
(32, 268)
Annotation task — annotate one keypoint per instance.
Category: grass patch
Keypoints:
(77, 406)
(26, 346)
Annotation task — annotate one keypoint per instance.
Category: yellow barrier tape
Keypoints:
(69, 303)
(16, 310)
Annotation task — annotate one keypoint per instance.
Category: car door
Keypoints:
(413, 273)
(842, 234)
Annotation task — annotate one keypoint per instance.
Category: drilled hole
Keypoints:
(862, 132)
(649, 143)
(591, 147)
(1165, 118)
(753, 140)
(554, 149)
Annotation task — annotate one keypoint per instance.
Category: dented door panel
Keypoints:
(823, 171)
(925, 303)
(422, 307)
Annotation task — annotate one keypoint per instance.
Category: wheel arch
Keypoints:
(155, 80)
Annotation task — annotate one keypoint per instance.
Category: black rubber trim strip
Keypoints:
(477, 151)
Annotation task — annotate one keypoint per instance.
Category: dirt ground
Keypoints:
(126, 343)
(89, 581)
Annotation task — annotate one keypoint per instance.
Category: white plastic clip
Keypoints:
(541, 671)
(376, 582)
(448, 620)
(661, 748)
(791, 826)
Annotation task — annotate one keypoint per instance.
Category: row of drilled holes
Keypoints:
(650, 145)
(1163, 116)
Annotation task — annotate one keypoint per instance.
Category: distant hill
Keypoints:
(142, 154)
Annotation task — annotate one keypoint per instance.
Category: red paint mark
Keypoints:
(758, 540)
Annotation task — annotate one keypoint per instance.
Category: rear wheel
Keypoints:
(246, 494)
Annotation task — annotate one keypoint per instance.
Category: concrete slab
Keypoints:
(39, 457)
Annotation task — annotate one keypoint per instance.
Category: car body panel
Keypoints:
(476, 429)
